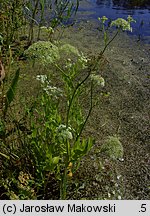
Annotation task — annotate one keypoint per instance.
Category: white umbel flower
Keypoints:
(64, 132)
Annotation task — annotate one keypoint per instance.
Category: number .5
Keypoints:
(143, 207)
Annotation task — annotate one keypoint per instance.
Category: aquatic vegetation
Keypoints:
(58, 12)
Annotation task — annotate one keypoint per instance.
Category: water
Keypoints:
(120, 8)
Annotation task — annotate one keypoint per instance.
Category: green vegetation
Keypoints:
(113, 148)
(42, 132)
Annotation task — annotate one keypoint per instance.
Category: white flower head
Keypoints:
(64, 132)
(123, 24)
(98, 80)
(103, 19)
(53, 91)
(46, 85)
(69, 63)
(42, 78)
(130, 19)
(43, 27)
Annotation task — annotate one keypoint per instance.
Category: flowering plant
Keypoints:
(121, 25)
(57, 145)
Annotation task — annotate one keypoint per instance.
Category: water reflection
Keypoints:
(129, 4)
(138, 9)
(104, 2)
(132, 3)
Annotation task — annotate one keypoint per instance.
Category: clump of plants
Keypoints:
(112, 148)
(44, 52)
(50, 132)
(120, 25)
(56, 142)
(19, 19)
(24, 187)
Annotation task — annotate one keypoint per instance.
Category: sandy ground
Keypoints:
(125, 114)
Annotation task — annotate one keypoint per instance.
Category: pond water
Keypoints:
(138, 9)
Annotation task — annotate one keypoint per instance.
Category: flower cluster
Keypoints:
(46, 85)
(44, 52)
(49, 30)
(80, 63)
(69, 63)
(42, 78)
(64, 132)
(68, 50)
(103, 19)
(53, 91)
(130, 19)
(123, 24)
(82, 60)
(98, 80)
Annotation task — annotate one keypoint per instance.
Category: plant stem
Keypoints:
(73, 95)
(32, 22)
(102, 52)
(63, 186)
(89, 113)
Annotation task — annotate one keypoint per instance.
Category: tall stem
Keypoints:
(73, 95)
(89, 113)
(102, 52)
(63, 185)
(32, 22)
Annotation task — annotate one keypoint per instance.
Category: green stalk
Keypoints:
(42, 5)
(105, 47)
(107, 44)
(31, 35)
(73, 95)
(63, 186)
(89, 113)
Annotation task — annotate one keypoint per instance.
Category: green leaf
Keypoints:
(55, 160)
(4, 155)
(34, 133)
(81, 148)
(11, 91)
(51, 163)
